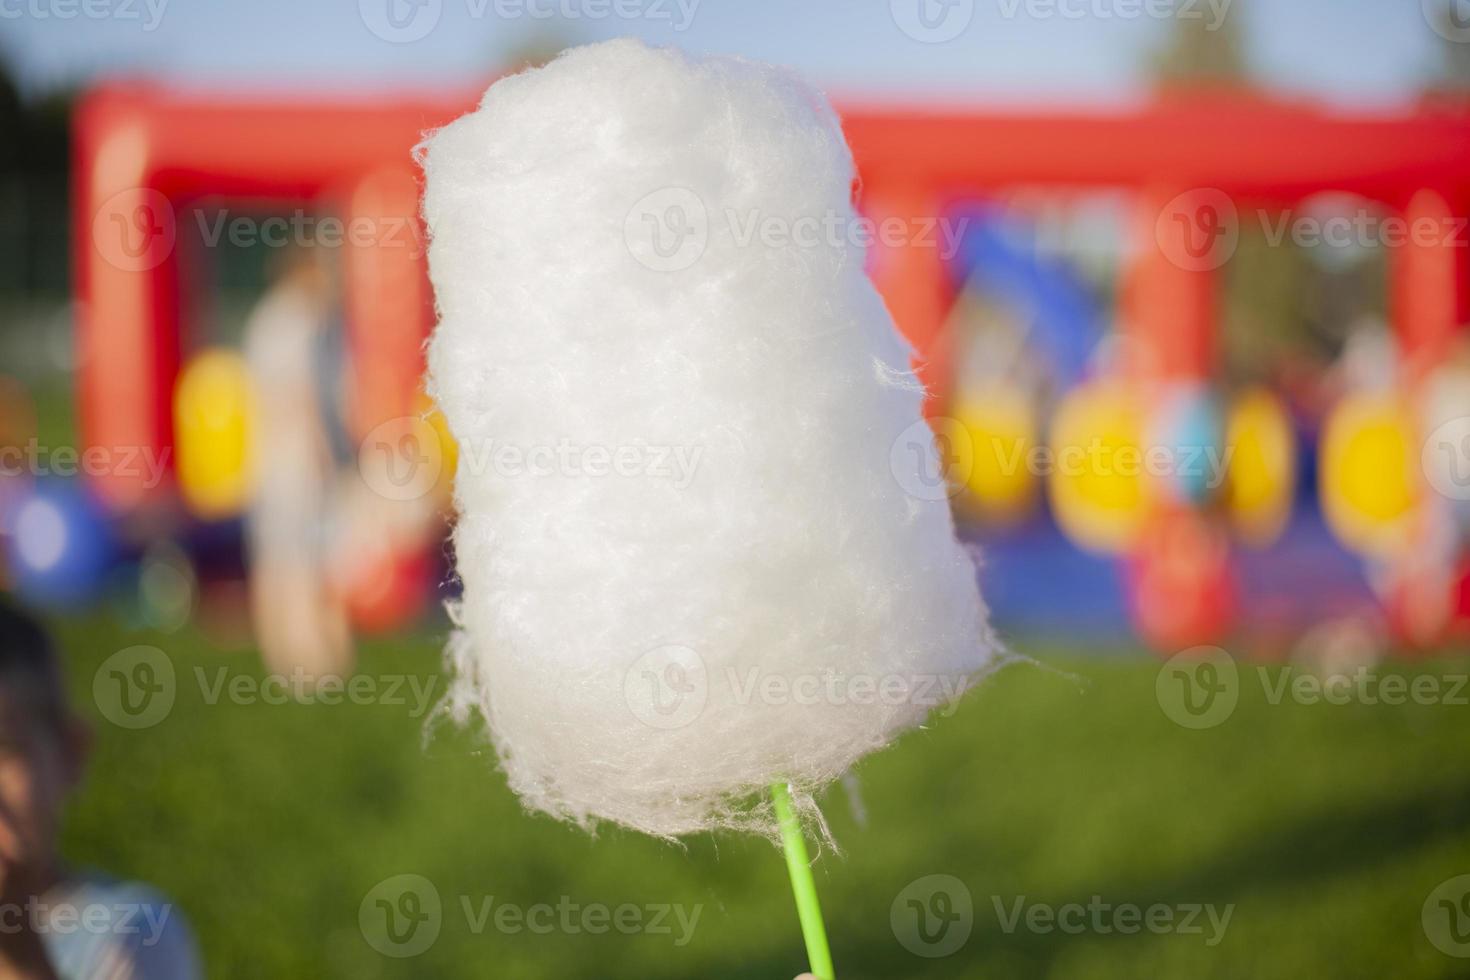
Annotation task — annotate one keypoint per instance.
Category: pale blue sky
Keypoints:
(1009, 51)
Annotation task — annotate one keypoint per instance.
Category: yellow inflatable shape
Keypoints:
(448, 448)
(1097, 483)
(1370, 473)
(996, 464)
(1260, 478)
(212, 411)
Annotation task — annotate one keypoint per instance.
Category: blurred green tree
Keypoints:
(1284, 310)
(35, 150)
(1453, 77)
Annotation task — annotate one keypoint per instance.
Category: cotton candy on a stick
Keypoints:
(697, 533)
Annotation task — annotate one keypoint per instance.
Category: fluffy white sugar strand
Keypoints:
(690, 564)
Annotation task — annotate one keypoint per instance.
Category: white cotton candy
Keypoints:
(698, 535)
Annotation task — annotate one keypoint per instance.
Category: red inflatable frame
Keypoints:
(143, 155)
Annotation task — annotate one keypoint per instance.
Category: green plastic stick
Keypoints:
(808, 909)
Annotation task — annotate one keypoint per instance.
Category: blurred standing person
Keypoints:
(1445, 405)
(300, 616)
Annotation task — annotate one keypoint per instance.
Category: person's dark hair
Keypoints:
(30, 669)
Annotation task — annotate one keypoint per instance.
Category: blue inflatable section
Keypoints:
(1039, 583)
(998, 254)
(58, 544)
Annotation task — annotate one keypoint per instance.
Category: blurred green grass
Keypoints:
(1325, 826)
